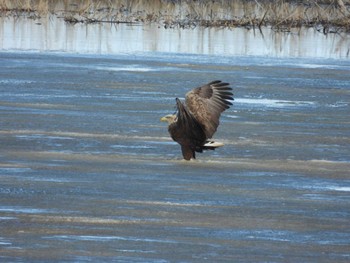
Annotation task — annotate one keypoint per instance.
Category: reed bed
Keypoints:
(328, 16)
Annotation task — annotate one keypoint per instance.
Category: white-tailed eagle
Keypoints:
(196, 120)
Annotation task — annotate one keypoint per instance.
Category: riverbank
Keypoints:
(323, 15)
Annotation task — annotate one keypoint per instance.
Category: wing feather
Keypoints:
(187, 130)
(206, 104)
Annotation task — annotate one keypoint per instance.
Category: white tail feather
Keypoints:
(213, 144)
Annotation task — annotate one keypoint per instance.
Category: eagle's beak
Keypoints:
(163, 119)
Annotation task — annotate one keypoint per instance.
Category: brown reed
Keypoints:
(279, 14)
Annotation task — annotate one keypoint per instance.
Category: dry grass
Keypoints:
(280, 15)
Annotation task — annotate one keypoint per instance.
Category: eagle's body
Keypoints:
(196, 121)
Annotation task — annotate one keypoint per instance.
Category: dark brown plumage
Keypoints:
(197, 120)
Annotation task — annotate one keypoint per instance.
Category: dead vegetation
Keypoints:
(327, 16)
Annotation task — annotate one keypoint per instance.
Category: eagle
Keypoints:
(195, 121)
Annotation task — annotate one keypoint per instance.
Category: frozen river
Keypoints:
(88, 173)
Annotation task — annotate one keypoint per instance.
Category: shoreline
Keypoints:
(282, 16)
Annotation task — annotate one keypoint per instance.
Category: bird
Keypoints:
(197, 119)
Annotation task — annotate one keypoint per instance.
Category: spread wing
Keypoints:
(206, 104)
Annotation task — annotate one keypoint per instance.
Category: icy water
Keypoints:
(88, 173)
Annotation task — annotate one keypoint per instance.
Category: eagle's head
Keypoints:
(170, 118)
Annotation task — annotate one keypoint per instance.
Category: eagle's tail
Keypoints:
(211, 145)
